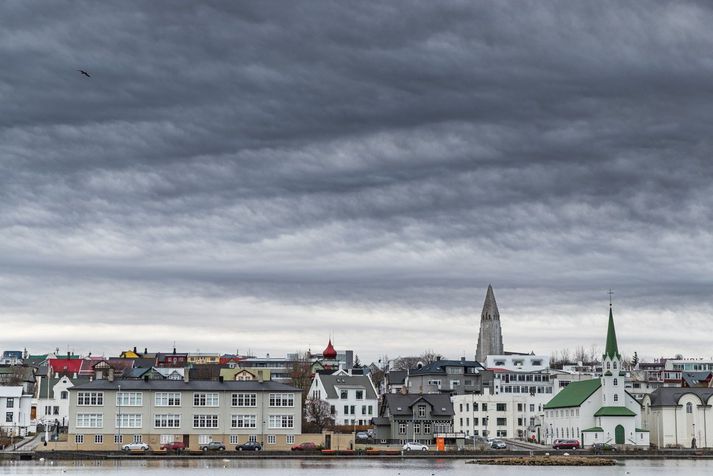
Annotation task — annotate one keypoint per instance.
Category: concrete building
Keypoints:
(352, 398)
(598, 410)
(490, 338)
(452, 377)
(105, 413)
(677, 416)
(15, 408)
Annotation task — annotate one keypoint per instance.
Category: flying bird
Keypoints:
(84, 73)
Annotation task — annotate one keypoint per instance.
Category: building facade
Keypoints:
(105, 414)
(414, 417)
(452, 377)
(679, 417)
(15, 408)
(352, 398)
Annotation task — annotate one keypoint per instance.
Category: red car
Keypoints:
(176, 446)
(306, 446)
(566, 444)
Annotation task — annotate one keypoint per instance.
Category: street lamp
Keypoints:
(118, 418)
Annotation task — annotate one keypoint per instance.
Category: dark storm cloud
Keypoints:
(362, 167)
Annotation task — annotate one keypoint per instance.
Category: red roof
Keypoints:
(329, 352)
(66, 366)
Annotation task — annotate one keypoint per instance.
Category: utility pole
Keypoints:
(118, 418)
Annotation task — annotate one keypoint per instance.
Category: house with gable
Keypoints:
(598, 410)
(352, 398)
(414, 417)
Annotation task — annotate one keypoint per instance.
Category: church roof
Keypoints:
(611, 350)
(574, 394)
(490, 307)
(614, 411)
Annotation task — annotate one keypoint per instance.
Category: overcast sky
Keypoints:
(258, 175)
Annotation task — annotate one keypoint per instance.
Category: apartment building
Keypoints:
(106, 413)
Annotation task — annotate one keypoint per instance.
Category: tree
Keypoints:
(580, 355)
(301, 374)
(318, 414)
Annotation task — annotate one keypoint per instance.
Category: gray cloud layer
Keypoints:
(258, 174)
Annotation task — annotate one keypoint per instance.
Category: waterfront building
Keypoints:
(352, 398)
(598, 410)
(414, 417)
(15, 409)
(106, 413)
(451, 377)
(675, 416)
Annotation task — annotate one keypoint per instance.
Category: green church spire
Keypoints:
(611, 350)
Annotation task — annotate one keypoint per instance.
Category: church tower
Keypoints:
(490, 338)
(613, 393)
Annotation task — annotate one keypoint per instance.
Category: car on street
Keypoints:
(414, 446)
(561, 444)
(129, 447)
(213, 446)
(362, 435)
(498, 445)
(599, 448)
(174, 446)
(249, 446)
(306, 446)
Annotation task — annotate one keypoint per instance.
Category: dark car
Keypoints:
(306, 446)
(213, 446)
(599, 448)
(175, 446)
(565, 444)
(249, 446)
(498, 445)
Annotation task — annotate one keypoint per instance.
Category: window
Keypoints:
(519, 407)
(243, 421)
(475, 406)
(168, 399)
(360, 394)
(363, 409)
(532, 407)
(290, 439)
(90, 420)
(422, 411)
(501, 407)
(205, 421)
(281, 421)
(86, 399)
(427, 428)
(370, 410)
(129, 399)
(282, 400)
(244, 400)
(165, 420)
(352, 410)
(79, 439)
(204, 439)
(129, 420)
(164, 439)
(501, 421)
(614, 365)
(689, 407)
(344, 394)
(117, 439)
(8, 417)
(98, 439)
(402, 428)
(616, 382)
(252, 438)
(616, 397)
(136, 439)
(233, 439)
(10, 403)
(417, 428)
(205, 400)
(485, 407)
(271, 439)
(346, 409)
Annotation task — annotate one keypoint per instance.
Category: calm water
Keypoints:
(344, 468)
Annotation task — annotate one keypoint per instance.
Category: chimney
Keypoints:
(110, 377)
(186, 376)
(134, 349)
(260, 378)
(462, 359)
(221, 379)
(146, 378)
(174, 351)
(146, 350)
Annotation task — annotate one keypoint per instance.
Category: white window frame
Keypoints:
(129, 420)
(129, 399)
(89, 420)
(205, 421)
(290, 439)
(167, 420)
(271, 439)
(282, 400)
(281, 421)
(243, 400)
(243, 421)
(206, 399)
(167, 399)
(90, 399)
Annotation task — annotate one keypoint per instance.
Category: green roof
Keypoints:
(614, 411)
(574, 394)
(641, 430)
(611, 350)
(594, 429)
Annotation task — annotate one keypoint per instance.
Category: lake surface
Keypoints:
(431, 467)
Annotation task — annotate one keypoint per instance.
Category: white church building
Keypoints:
(598, 410)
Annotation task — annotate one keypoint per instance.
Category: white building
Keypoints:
(352, 398)
(523, 363)
(598, 410)
(52, 400)
(675, 416)
(493, 415)
(15, 408)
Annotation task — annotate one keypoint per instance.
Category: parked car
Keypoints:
(135, 447)
(498, 445)
(249, 446)
(213, 446)
(565, 444)
(413, 446)
(362, 435)
(176, 447)
(599, 448)
(306, 446)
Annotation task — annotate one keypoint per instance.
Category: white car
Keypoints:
(415, 446)
(135, 447)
